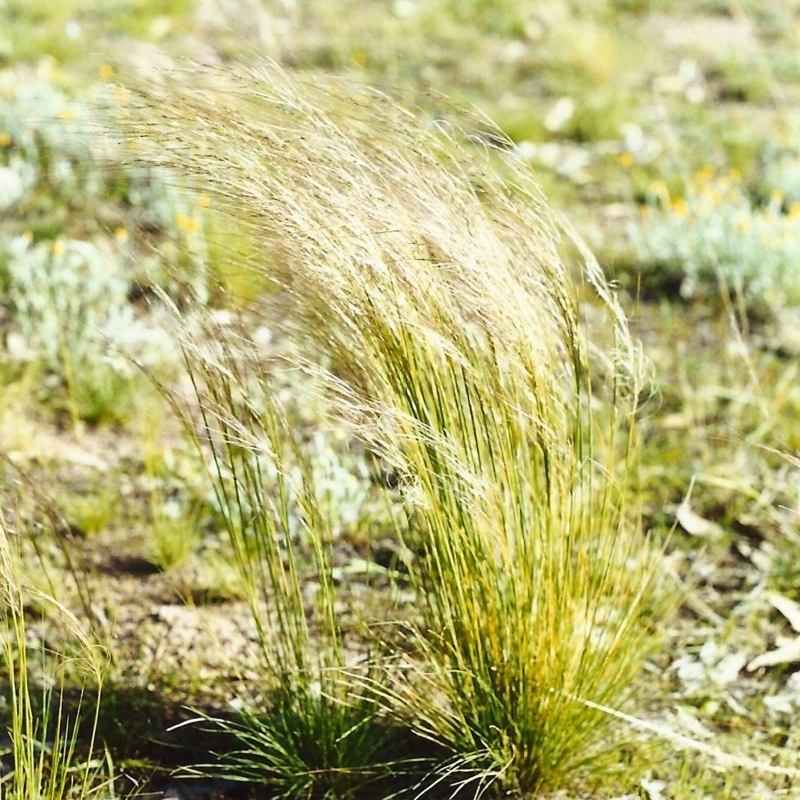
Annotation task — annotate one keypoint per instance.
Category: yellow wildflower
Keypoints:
(186, 223)
(625, 159)
(705, 174)
(680, 207)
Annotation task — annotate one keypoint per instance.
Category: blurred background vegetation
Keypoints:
(668, 132)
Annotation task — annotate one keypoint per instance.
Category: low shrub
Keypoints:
(715, 234)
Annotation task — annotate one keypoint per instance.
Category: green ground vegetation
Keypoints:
(273, 334)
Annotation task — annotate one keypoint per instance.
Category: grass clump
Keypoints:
(435, 294)
(320, 734)
(52, 756)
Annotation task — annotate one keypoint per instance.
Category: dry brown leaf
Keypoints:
(786, 606)
(728, 669)
(785, 654)
(689, 724)
(694, 524)
(723, 759)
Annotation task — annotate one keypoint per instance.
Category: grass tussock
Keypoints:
(321, 734)
(434, 290)
(51, 755)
